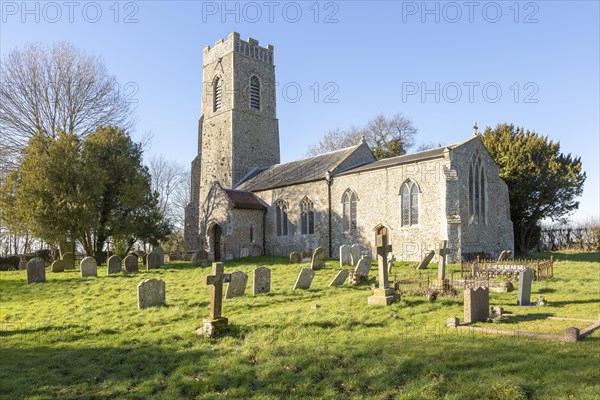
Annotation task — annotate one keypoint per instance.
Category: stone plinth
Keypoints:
(572, 335)
(383, 297)
(213, 327)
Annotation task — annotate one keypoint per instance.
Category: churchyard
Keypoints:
(75, 337)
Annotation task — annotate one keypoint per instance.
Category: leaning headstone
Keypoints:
(113, 265)
(355, 254)
(345, 255)
(304, 278)
(151, 292)
(426, 260)
(295, 257)
(524, 294)
(131, 263)
(200, 258)
(339, 278)
(161, 254)
(153, 260)
(58, 266)
(318, 259)
(262, 280)
(364, 266)
(36, 270)
(88, 267)
(237, 285)
(476, 305)
(69, 259)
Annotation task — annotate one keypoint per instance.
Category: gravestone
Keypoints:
(383, 295)
(151, 292)
(425, 261)
(161, 254)
(364, 266)
(318, 259)
(88, 267)
(69, 259)
(390, 262)
(339, 278)
(306, 255)
(504, 255)
(443, 252)
(345, 255)
(200, 258)
(153, 260)
(215, 323)
(256, 250)
(22, 264)
(113, 265)
(36, 270)
(237, 285)
(304, 278)
(355, 254)
(572, 335)
(524, 293)
(262, 280)
(245, 252)
(58, 266)
(476, 305)
(452, 322)
(131, 263)
(295, 257)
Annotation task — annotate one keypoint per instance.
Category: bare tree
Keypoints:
(387, 137)
(56, 88)
(169, 180)
(180, 199)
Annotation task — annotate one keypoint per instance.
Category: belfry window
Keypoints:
(254, 93)
(217, 94)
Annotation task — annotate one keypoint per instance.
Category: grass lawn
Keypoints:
(73, 338)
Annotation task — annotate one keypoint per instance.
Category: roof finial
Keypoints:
(475, 127)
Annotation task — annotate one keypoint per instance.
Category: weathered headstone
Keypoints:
(69, 259)
(452, 322)
(524, 293)
(200, 258)
(237, 285)
(58, 266)
(88, 267)
(131, 263)
(572, 334)
(443, 252)
(262, 280)
(151, 292)
(345, 255)
(304, 278)
(363, 267)
(216, 323)
(22, 264)
(306, 255)
(425, 261)
(256, 250)
(390, 262)
(476, 305)
(113, 265)
(153, 260)
(355, 254)
(36, 270)
(504, 255)
(295, 257)
(383, 295)
(339, 278)
(161, 254)
(318, 259)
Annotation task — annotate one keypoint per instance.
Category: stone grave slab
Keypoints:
(339, 278)
(262, 280)
(524, 293)
(318, 259)
(113, 265)
(88, 267)
(355, 254)
(131, 263)
(304, 278)
(306, 255)
(476, 305)
(153, 260)
(151, 292)
(161, 254)
(36, 270)
(200, 258)
(69, 259)
(237, 285)
(345, 258)
(58, 266)
(426, 260)
(295, 257)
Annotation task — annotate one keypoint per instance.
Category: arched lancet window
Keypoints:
(409, 201)
(217, 94)
(477, 191)
(349, 211)
(281, 217)
(254, 93)
(307, 217)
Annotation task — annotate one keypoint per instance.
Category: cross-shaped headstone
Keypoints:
(382, 251)
(216, 280)
(443, 251)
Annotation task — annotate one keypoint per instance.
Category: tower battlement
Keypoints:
(234, 43)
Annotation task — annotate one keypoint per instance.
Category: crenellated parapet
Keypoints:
(234, 43)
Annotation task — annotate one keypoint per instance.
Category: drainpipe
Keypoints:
(264, 233)
(329, 179)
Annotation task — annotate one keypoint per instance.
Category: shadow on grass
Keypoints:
(569, 302)
(8, 329)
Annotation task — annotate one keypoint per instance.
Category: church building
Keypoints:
(245, 202)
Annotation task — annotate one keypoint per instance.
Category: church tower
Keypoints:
(238, 130)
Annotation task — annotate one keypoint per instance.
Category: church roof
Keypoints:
(295, 172)
(243, 199)
(399, 160)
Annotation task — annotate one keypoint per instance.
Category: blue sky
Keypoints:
(442, 64)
